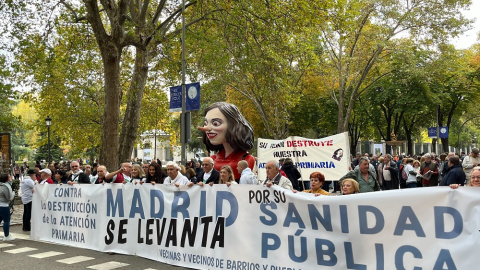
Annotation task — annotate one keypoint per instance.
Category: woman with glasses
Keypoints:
(474, 179)
(316, 181)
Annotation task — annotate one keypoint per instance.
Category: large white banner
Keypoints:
(329, 155)
(252, 227)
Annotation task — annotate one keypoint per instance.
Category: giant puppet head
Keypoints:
(225, 128)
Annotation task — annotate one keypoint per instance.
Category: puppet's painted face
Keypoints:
(216, 124)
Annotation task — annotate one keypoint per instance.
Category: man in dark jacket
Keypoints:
(456, 175)
(77, 175)
(209, 174)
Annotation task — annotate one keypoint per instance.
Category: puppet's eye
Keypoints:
(217, 123)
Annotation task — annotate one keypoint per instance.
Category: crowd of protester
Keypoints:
(368, 173)
(385, 172)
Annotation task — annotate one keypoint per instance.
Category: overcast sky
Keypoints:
(470, 37)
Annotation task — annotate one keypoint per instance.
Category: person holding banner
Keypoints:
(229, 134)
(77, 176)
(137, 174)
(274, 177)
(209, 175)
(100, 177)
(155, 174)
(226, 176)
(367, 180)
(350, 186)
(316, 182)
(174, 176)
(45, 176)
(474, 179)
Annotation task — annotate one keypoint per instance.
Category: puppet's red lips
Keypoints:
(211, 135)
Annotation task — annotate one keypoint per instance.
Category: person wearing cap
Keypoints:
(46, 176)
(27, 193)
(469, 162)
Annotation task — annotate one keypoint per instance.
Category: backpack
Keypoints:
(404, 174)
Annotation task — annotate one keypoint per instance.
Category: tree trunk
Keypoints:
(110, 46)
(341, 110)
(134, 103)
(109, 148)
(408, 134)
(445, 144)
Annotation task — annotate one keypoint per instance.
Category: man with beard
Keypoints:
(77, 175)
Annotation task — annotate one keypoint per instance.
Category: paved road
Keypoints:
(24, 254)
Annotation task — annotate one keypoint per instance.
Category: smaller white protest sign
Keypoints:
(327, 155)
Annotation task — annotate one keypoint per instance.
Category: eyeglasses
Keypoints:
(74, 166)
(206, 164)
(475, 177)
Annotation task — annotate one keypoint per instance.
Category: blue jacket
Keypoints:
(456, 175)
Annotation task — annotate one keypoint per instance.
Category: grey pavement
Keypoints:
(23, 253)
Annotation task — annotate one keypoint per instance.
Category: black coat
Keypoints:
(82, 178)
(456, 175)
(214, 177)
(292, 173)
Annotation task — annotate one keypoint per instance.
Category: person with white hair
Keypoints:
(274, 177)
(209, 174)
(77, 176)
(174, 175)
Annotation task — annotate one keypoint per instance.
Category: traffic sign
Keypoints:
(193, 97)
(432, 132)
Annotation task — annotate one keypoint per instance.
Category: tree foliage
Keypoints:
(101, 69)
(357, 36)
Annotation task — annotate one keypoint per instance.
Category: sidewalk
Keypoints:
(17, 216)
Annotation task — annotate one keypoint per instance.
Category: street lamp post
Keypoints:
(48, 122)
